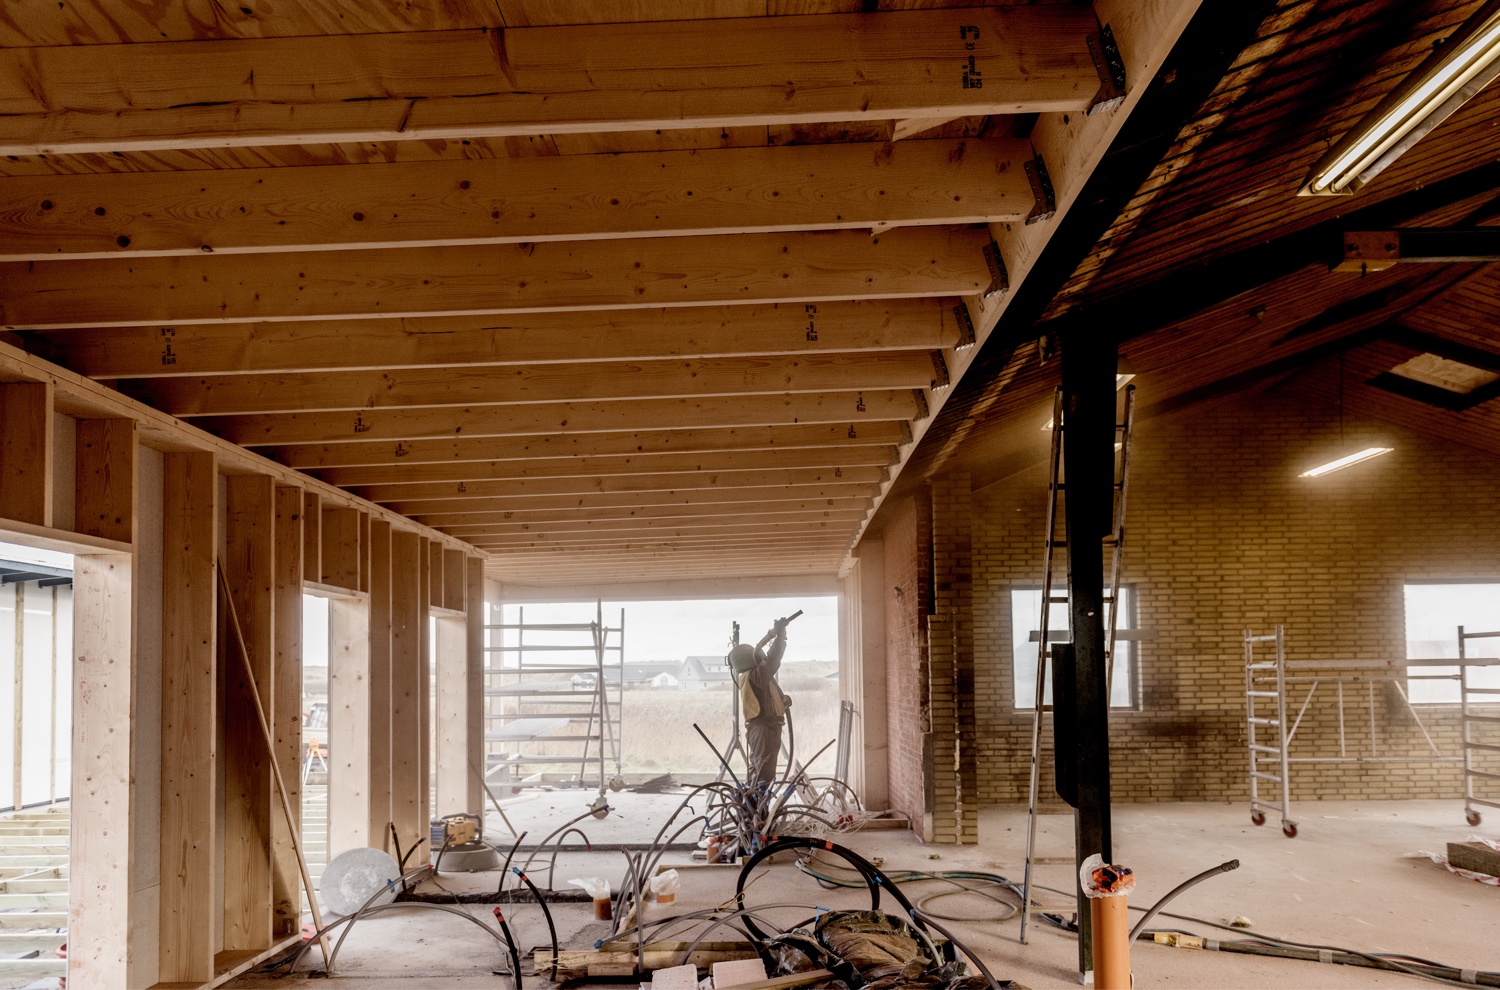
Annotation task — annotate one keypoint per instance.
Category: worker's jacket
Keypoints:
(760, 696)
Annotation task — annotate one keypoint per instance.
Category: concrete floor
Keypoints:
(1343, 881)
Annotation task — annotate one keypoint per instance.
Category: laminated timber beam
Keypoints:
(409, 495)
(744, 497)
(524, 81)
(598, 468)
(514, 200)
(731, 530)
(249, 395)
(850, 409)
(514, 278)
(686, 517)
(600, 560)
(312, 457)
(793, 543)
(529, 338)
(479, 514)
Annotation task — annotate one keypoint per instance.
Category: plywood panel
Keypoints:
(189, 710)
(286, 707)
(104, 487)
(249, 557)
(26, 452)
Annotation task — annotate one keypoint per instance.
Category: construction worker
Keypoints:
(762, 704)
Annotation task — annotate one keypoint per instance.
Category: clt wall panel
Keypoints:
(408, 780)
(104, 482)
(285, 712)
(474, 651)
(349, 811)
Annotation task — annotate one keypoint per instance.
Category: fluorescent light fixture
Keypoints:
(1468, 60)
(1343, 462)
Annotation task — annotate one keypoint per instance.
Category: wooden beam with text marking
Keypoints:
(514, 200)
(407, 494)
(557, 418)
(689, 332)
(452, 85)
(595, 468)
(504, 278)
(309, 457)
(248, 395)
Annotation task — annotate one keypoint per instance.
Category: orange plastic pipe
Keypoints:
(1111, 917)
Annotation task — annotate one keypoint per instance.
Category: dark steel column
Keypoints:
(1088, 377)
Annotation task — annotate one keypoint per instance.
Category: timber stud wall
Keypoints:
(1224, 535)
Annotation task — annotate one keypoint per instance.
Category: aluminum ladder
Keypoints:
(1265, 684)
(1056, 539)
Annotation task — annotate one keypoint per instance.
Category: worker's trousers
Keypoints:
(763, 738)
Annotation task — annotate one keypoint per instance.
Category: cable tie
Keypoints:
(1325, 956)
(1468, 975)
(1212, 944)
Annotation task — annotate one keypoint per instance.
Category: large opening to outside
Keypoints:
(1434, 612)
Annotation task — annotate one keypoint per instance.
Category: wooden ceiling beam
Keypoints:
(800, 519)
(843, 408)
(513, 200)
(478, 512)
(311, 457)
(247, 395)
(568, 501)
(611, 77)
(623, 541)
(507, 278)
(667, 531)
(409, 494)
(707, 555)
(625, 465)
(687, 333)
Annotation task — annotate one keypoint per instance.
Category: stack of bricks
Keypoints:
(1224, 535)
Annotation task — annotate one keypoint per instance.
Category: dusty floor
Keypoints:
(1343, 881)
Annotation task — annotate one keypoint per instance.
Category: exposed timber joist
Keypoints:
(735, 530)
(806, 519)
(532, 338)
(598, 468)
(407, 494)
(511, 278)
(790, 542)
(526, 81)
(480, 511)
(311, 457)
(743, 497)
(839, 408)
(329, 391)
(513, 200)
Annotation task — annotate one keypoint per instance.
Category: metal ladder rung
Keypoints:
(1261, 666)
(1482, 718)
(1261, 694)
(1269, 804)
(1482, 773)
(1264, 721)
(1491, 747)
(1054, 600)
(1265, 749)
(1266, 776)
(1474, 690)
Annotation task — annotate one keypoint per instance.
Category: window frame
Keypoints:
(1130, 596)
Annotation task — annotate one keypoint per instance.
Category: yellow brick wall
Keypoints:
(1222, 535)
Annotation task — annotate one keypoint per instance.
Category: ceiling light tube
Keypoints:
(1467, 62)
(1343, 462)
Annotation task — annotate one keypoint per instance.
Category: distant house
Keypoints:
(643, 675)
(703, 672)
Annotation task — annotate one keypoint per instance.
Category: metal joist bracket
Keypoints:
(1045, 201)
(1111, 69)
(922, 409)
(999, 277)
(965, 326)
(940, 378)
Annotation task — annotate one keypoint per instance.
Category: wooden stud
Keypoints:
(248, 561)
(426, 575)
(189, 715)
(406, 652)
(514, 200)
(340, 547)
(364, 551)
(340, 455)
(312, 537)
(26, 452)
(286, 704)
(641, 273)
(103, 919)
(105, 483)
(435, 574)
(380, 697)
(351, 817)
(477, 614)
(456, 85)
(842, 408)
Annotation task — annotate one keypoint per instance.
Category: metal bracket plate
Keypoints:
(922, 408)
(1041, 191)
(940, 377)
(965, 326)
(999, 277)
(1111, 69)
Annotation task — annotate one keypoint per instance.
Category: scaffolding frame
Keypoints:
(514, 686)
(1272, 682)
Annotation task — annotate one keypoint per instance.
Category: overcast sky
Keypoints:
(674, 630)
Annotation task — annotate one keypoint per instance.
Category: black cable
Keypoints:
(510, 940)
(551, 928)
(973, 956)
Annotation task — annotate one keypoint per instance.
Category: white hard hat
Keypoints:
(741, 658)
